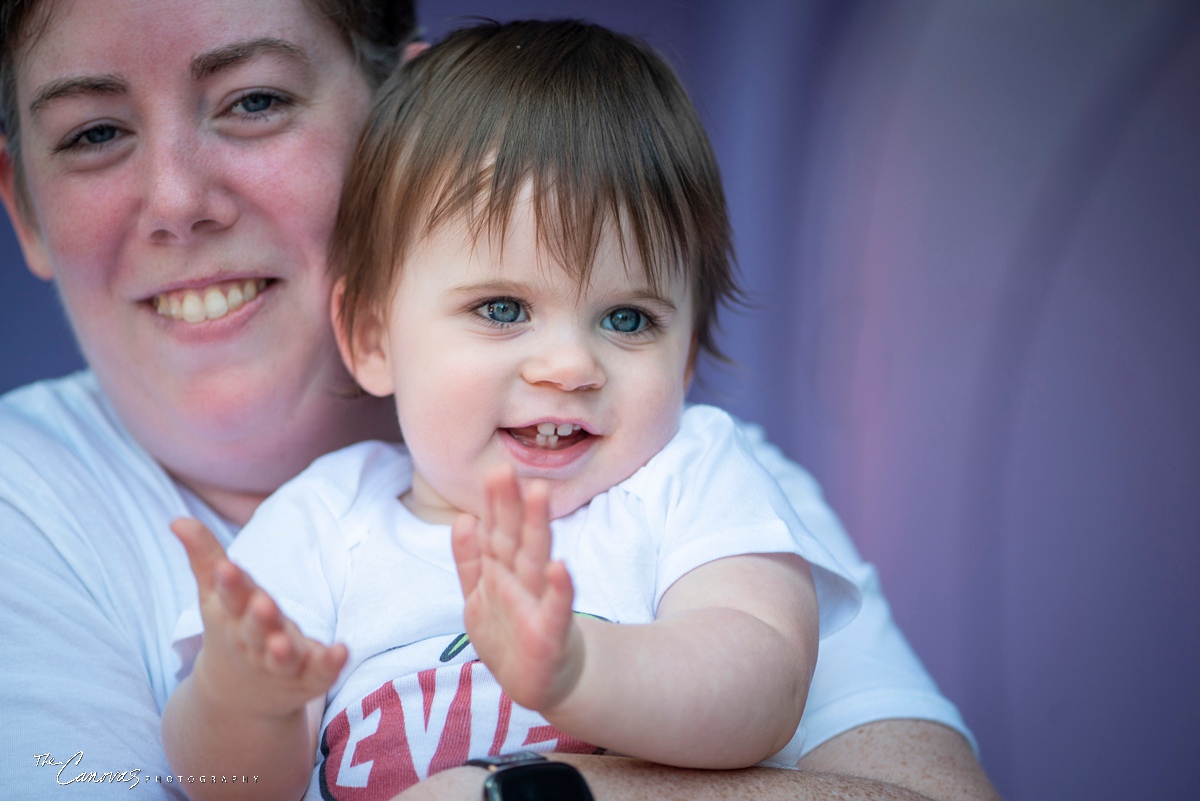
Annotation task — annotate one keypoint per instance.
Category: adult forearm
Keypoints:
(889, 760)
(620, 779)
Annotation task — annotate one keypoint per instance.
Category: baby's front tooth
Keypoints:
(546, 429)
(541, 440)
(193, 308)
(566, 429)
(215, 305)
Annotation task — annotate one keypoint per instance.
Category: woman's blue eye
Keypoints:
(625, 321)
(256, 103)
(98, 135)
(504, 310)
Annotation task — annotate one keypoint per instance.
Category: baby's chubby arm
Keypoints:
(718, 680)
(253, 703)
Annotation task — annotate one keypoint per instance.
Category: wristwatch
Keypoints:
(528, 776)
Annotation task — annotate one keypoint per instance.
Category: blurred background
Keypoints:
(971, 231)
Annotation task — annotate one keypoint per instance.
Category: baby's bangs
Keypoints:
(584, 127)
(592, 125)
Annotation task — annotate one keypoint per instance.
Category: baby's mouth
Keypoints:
(549, 436)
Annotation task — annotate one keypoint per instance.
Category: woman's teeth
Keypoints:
(548, 433)
(212, 303)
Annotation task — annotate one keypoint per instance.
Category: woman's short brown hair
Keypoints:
(595, 122)
(376, 30)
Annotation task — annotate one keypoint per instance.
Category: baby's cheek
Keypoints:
(661, 417)
(569, 496)
(657, 425)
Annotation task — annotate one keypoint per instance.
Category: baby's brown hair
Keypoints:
(595, 123)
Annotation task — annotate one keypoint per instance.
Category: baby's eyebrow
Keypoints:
(649, 296)
(493, 287)
(642, 295)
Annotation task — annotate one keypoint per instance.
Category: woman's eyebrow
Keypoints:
(81, 85)
(233, 54)
(203, 66)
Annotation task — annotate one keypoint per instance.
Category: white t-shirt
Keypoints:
(94, 583)
(348, 562)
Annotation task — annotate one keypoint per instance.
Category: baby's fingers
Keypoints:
(325, 665)
(502, 523)
(235, 588)
(534, 548)
(261, 621)
(464, 542)
(284, 650)
(556, 602)
(314, 666)
(203, 551)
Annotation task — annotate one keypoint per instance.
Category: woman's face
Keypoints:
(184, 161)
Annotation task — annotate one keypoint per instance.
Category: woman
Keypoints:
(174, 167)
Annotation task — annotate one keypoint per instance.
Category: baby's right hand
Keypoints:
(517, 602)
(253, 658)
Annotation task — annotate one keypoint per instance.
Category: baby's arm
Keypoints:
(718, 680)
(253, 703)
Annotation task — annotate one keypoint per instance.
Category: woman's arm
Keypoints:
(894, 760)
(928, 759)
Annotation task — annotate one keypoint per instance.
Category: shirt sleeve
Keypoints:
(76, 693)
(867, 671)
(718, 501)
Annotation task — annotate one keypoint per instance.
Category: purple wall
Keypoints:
(971, 229)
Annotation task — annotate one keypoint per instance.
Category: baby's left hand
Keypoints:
(254, 659)
(518, 602)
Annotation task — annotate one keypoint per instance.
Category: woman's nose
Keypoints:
(183, 194)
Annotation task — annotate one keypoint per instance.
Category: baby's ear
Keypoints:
(364, 350)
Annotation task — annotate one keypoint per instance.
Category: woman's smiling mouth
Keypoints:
(210, 303)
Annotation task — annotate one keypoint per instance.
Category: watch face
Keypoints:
(543, 781)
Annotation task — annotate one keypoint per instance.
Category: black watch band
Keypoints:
(529, 776)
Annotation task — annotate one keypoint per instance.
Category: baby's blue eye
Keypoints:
(504, 310)
(625, 321)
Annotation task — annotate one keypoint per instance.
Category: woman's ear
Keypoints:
(412, 50)
(365, 349)
(29, 236)
(690, 371)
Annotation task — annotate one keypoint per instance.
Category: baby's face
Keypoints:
(497, 357)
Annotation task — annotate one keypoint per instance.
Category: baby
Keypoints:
(533, 246)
